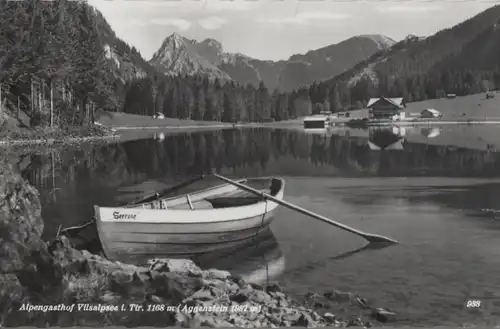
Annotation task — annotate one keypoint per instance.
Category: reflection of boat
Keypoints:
(203, 221)
(256, 260)
(382, 139)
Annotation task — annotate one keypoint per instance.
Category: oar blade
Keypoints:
(374, 238)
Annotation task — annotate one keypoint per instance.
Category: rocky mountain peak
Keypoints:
(180, 55)
(175, 41)
(212, 43)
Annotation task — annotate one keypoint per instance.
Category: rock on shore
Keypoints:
(37, 273)
(212, 298)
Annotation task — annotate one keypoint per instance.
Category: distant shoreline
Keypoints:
(424, 123)
(39, 136)
(298, 124)
(112, 130)
(52, 141)
(174, 127)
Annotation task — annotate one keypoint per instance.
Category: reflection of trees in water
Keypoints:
(193, 153)
(76, 179)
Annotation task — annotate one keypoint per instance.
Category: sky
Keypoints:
(277, 29)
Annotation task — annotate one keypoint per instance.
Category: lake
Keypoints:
(433, 189)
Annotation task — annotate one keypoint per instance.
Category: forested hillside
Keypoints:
(198, 98)
(460, 60)
(60, 61)
(52, 64)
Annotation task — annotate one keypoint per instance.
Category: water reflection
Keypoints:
(386, 139)
(430, 132)
(71, 181)
(159, 136)
(258, 260)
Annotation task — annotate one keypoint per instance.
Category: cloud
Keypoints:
(408, 8)
(144, 8)
(230, 5)
(212, 23)
(179, 23)
(305, 18)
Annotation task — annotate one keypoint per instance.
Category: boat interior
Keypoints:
(221, 196)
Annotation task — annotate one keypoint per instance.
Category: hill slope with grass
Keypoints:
(470, 107)
(462, 59)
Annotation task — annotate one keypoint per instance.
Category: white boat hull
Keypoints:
(135, 230)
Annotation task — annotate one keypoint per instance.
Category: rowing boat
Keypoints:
(219, 217)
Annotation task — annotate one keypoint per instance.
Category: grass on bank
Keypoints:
(15, 128)
(58, 134)
(117, 120)
(464, 108)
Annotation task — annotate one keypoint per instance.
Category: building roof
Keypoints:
(433, 111)
(398, 101)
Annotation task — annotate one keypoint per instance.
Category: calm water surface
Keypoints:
(425, 187)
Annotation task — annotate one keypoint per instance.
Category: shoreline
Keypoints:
(56, 141)
(118, 128)
(41, 136)
(113, 132)
(36, 272)
(425, 123)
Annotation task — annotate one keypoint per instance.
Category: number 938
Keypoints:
(473, 303)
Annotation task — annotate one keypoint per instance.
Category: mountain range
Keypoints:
(178, 55)
(462, 59)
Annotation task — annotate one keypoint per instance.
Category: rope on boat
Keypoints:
(80, 227)
(58, 231)
(262, 221)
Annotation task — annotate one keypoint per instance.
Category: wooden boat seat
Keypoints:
(227, 202)
(243, 198)
(154, 205)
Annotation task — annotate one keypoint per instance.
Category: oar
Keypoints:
(168, 190)
(369, 237)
